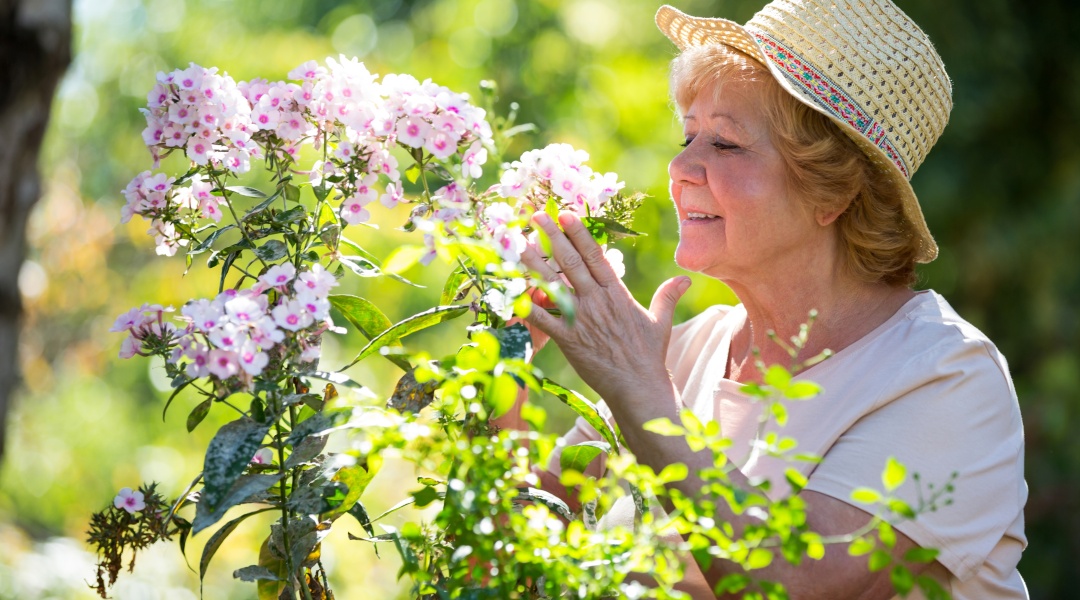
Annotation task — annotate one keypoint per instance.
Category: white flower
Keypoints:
(291, 315)
(502, 301)
(131, 501)
(263, 456)
(279, 275)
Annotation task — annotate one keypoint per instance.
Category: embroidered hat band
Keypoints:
(862, 63)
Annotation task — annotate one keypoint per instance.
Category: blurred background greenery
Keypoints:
(1001, 192)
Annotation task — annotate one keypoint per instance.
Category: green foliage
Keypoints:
(603, 91)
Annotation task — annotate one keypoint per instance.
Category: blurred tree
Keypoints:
(35, 49)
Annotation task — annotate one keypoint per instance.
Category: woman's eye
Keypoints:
(724, 146)
(686, 142)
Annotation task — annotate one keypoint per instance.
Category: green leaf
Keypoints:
(586, 410)
(609, 229)
(410, 396)
(802, 390)
(779, 412)
(579, 456)
(173, 395)
(228, 454)
(403, 258)
(547, 499)
(515, 341)
(318, 424)
(360, 514)
(866, 495)
(664, 426)
(902, 580)
(796, 479)
(673, 472)
(778, 377)
(931, 588)
(272, 250)
(362, 313)
(921, 555)
(243, 190)
(321, 191)
(501, 394)
(308, 448)
(254, 573)
(209, 240)
(292, 193)
(198, 414)
(219, 537)
(258, 208)
(879, 559)
(293, 215)
(860, 546)
(453, 287)
(426, 495)
(413, 172)
(356, 478)
(886, 534)
(901, 508)
(244, 488)
(360, 266)
(367, 319)
(408, 557)
(894, 474)
(415, 323)
(759, 558)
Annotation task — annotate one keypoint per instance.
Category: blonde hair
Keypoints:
(823, 163)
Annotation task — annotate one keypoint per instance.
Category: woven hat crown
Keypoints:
(863, 63)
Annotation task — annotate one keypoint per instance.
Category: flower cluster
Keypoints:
(559, 171)
(223, 125)
(205, 114)
(238, 332)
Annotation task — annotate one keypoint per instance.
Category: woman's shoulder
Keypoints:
(934, 327)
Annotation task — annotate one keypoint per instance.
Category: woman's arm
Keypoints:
(618, 347)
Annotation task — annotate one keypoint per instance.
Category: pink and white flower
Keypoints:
(279, 276)
(130, 500)
(291, 315)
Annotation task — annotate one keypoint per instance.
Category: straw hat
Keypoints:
(862, 63)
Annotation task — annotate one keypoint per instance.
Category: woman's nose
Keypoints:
(686, 168)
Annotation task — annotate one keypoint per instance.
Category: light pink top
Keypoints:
(926, 387)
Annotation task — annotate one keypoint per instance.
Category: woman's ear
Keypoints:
(826, 215)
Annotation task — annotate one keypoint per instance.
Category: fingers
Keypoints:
(543, 320)
(666, 297)
(591, 252)
(572, 263)
(532, 259)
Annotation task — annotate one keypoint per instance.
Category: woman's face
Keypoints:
(736, 213)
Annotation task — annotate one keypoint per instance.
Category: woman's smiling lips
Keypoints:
(699, 218)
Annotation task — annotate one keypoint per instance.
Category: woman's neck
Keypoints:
(846, 311)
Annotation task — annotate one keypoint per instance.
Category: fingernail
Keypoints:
(542, 219)
(684, 284)
(566, 218)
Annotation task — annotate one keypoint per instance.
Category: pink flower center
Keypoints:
(292, 319)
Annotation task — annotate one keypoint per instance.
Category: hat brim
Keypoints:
(687, 31)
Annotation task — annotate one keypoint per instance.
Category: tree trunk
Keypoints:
(35, 49)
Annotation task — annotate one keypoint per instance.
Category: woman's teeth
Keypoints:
(695, 216)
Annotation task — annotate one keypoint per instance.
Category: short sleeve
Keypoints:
(950, 409)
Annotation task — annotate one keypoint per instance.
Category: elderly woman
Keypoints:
(802, 129)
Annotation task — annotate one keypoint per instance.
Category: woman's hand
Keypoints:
(616, 345)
